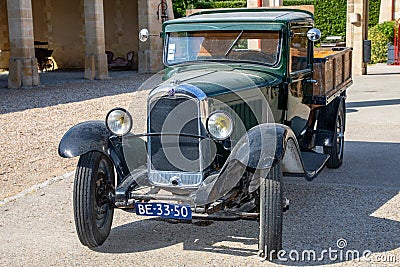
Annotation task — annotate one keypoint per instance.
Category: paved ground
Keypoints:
(360, 202)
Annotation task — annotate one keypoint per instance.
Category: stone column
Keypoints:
(357, 32)
(272, 3)
(23, 64)
(390, 10)
(150, 53)
(397, 9)
(265, 3)
(95, 49)
(4, 42)
(252, 3)
(386, 11)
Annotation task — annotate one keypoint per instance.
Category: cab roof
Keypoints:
(247, 15)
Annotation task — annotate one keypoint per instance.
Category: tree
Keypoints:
(180, 7)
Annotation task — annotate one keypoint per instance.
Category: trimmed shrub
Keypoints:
(330, 15)
(381, 35)
(180, 6)
(221, 4)
(374, 7)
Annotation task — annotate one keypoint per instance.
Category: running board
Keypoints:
(313, 163)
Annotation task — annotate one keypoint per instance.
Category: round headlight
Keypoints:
(119, 121)
(220, 125)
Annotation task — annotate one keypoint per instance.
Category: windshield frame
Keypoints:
(227, 60)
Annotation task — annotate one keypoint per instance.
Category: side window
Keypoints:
(298, 50)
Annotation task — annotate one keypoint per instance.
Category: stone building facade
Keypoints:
(79, 32)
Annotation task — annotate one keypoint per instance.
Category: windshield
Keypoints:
(241, 45)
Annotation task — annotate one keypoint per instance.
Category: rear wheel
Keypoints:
(271, 212)
(93, 210)
(335, 152)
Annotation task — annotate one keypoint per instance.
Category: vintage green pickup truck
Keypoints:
(244, 99)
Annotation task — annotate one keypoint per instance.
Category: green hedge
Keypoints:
(330, 15)
(180, 6)
(220, 4)
(381, 35)
(374, 7)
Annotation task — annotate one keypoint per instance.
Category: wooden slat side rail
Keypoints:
(332, 70)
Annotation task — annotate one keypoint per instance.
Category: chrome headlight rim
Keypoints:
(126, 115)
(229, 118)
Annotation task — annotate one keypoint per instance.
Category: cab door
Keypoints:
(300, 75)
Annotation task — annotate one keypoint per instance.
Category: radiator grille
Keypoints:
(174, 115)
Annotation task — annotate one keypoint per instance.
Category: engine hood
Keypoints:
(217, 81)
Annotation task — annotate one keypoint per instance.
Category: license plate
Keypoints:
(173, 211)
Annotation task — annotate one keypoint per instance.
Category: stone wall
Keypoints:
(4, 41)
(121, 27)
(61, 24)
(389, 12)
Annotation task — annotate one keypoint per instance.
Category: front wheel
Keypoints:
(93, 187)
(271, 212)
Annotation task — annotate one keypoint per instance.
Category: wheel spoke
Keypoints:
(339, 134)
(103, 188)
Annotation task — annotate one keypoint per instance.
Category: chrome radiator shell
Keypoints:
(161, 102)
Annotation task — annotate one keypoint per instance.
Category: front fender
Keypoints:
(127, 154)
(84, 137)
(265, 145)
(259, 149)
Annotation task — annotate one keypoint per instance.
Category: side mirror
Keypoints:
(314, 35)
(144, 35)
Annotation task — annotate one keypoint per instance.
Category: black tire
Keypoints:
(335, 152)
(270, 240)
(93, 212)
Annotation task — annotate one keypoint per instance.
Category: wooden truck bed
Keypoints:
(332, 70)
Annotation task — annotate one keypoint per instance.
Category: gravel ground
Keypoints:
(34, 120)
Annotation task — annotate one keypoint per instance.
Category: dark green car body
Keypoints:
(278, 77)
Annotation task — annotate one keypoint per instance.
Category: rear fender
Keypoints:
(327, 114)
(326, 126)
